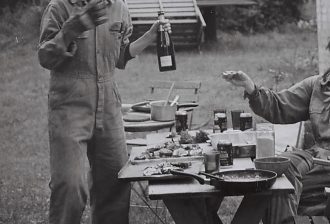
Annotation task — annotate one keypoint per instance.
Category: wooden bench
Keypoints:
(185, 17)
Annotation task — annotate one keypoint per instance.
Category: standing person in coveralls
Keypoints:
(82, 43)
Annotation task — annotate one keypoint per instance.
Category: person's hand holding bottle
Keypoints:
(155, 26)
(239, 79)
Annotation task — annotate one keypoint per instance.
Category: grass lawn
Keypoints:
(24, 154)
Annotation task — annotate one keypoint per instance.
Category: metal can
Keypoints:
(181, 119)
(211, 161)
(225, 149)
(222, 121)
(245, 121)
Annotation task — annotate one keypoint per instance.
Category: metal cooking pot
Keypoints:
(236, 182)
(161, 112)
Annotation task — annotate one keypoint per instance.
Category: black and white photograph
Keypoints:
(164, 111)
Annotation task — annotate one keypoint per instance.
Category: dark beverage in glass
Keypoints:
(165, 48)
(235, 117)
(245, 121)
(181, 121)
(222, 121)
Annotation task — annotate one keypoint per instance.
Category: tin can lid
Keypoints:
(220, 115)
(245, 115)
(224, 142)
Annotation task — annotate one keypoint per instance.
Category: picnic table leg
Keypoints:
(252, 208)
(194, 210)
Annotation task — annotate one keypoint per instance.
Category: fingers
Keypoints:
(96, 9)
(166, 25)
(229, 75)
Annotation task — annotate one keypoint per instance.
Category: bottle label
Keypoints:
(166, 61)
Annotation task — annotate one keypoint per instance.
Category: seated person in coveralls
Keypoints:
(82, 43)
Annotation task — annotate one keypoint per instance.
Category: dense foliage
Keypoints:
(265, 15)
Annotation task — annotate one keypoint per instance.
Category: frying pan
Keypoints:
(236, 182)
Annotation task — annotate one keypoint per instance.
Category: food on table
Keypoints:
(164, 152)
(180, 152)
(170, 149)
(165, 167)
(201, 136)
(186, 138)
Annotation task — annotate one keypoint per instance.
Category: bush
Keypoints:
(266, 15)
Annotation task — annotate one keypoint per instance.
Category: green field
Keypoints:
(288, 57)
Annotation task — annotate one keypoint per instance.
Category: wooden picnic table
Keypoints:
(252, 207)
(184, 198)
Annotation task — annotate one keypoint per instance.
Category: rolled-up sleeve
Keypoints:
(56, 37)
(125, 55)
(284, 107)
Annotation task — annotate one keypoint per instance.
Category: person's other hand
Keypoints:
(155, 26)
(240, 79)
(96, 13)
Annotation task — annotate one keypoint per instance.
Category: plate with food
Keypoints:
(159, 170)
(166, 151)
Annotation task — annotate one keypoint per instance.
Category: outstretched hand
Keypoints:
(240, 79)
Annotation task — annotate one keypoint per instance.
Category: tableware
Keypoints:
(211, 161)
(265, 137)
(134, 172)
(136, 117)
(175, 100)
(146, 108)
(235, 117)
(277, 164)
(161, 112)
(236, 182)
(236, 138)
(169, 94)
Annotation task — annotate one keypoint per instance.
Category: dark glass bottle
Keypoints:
(165, 48)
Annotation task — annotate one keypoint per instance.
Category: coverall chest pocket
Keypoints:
(316, 113)
(116, 36)
(83, 42)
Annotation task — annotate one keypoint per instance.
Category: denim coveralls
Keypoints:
(85, 113)
(307, 100)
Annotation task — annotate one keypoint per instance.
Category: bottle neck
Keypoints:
(161, 18)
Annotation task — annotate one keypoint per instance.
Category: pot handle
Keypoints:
(180, 173)
(183, 105)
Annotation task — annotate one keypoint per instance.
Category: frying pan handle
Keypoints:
(211, 176)
(198, 178)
